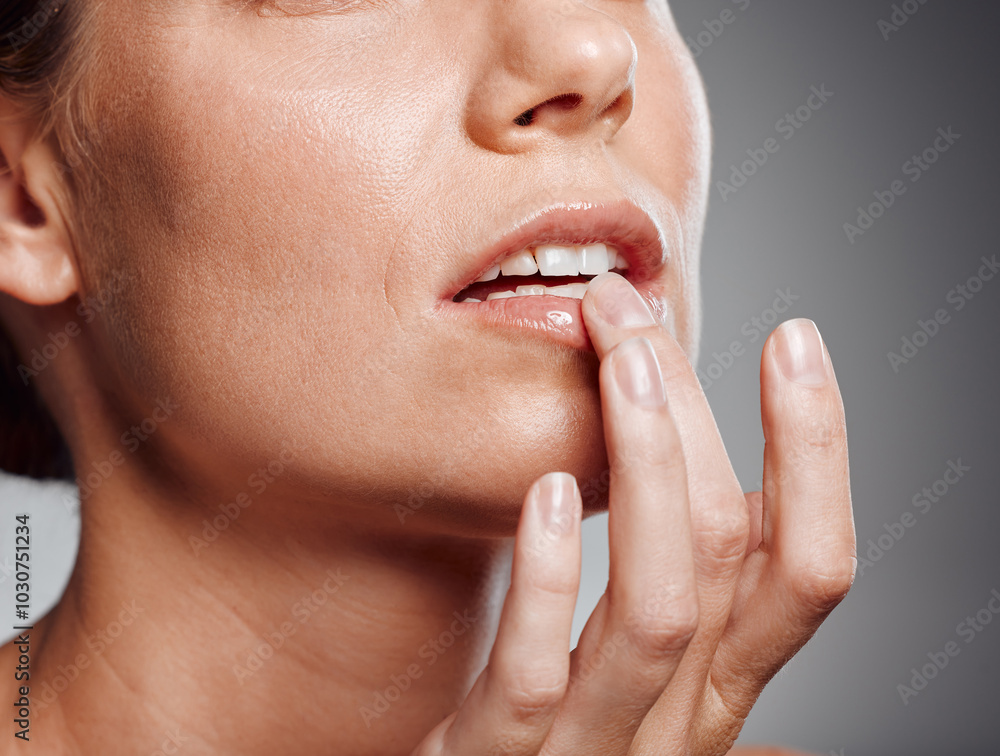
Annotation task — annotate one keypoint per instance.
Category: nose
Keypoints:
(550, 67)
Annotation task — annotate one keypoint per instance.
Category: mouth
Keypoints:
(559, 270)
(535, 275)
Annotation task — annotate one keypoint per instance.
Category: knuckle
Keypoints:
(723, 526)
(716, 735)
(820, 432)
(822, 587)
(534, 694)
(553, 587)
(664, 626)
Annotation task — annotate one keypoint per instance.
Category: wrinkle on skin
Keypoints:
(385, 283)
(262, 186)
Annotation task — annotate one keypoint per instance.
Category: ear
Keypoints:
(37, 264)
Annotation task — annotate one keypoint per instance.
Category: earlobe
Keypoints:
(37, 264)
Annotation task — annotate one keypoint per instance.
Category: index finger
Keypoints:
(709, 471)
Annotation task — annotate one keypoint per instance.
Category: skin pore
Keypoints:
(271, 208)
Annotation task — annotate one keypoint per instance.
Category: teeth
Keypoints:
(530, 289)
(594, 259)
(558, 261)
(490, 274)
(574, 290)
(519, 264)
(554, 260)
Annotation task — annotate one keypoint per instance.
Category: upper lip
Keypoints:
(620, 223)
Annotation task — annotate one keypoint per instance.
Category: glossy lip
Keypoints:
(620, 223)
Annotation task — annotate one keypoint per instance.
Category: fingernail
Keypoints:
(637, 372)
(556, 497)
(619, 303)
(799, 352)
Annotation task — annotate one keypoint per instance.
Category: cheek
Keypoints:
(252, 228)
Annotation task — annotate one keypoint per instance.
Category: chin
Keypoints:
(486, 504)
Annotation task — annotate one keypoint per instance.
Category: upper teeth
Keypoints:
(556, 260)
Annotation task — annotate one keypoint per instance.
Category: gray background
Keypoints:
(784, 229)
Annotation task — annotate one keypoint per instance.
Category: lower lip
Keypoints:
(558, 319)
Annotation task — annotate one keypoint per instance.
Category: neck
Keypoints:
(261, 637)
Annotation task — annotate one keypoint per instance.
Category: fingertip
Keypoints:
(797, 349)
(558, 503)
(613, 309)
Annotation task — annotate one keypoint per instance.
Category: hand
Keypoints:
(710, 592)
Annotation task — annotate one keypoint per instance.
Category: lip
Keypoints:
(620, 223)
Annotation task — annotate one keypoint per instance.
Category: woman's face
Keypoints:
(285, 204)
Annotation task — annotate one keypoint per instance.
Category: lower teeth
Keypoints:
(572, 291)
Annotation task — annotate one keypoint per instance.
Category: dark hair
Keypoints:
(34, 37)
(35, 43)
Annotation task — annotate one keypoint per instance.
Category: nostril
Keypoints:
(565, 101)
(562, 102)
